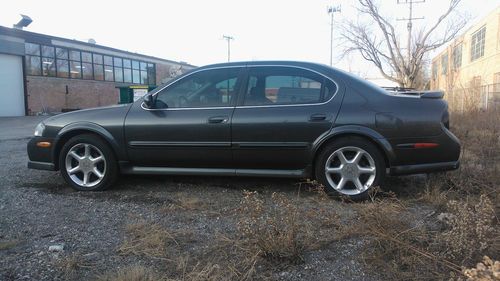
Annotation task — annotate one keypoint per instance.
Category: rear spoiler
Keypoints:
(432, 95)
(413, 92)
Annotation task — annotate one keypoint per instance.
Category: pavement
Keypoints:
(19, 127)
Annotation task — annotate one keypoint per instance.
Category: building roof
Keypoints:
(46, 39)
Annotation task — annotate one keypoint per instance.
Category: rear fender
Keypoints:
(361, 131)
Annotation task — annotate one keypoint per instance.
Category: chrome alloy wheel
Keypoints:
(350, 170)
(85, 164)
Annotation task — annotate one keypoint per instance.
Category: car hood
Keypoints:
(108, 116)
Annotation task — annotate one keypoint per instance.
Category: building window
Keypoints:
(151, 74)
(48, 61)
(62, 68)
(62, 62)
(118, 64)
(144, 73)
(108, 68)
(42, 60)
(136, 78)
(98, 67)
(75, 69)
(127, 71)
(457, 56)
(444, 63)
(87, 70)
(33, 65)
(477, 44)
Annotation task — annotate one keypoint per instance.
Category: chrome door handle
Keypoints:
(218, 119)
(318, 117)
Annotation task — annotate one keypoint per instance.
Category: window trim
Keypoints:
(473, 48)
(237, 106)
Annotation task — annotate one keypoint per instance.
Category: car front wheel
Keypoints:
(350, 166)
(87, 163)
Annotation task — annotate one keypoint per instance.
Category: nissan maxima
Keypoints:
(266, 119)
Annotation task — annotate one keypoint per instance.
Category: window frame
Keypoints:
(243, 90)
(237, 89)
(478, 44)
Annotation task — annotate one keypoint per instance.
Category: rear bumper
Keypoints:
(424, 168)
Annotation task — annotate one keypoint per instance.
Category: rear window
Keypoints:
(286, 85)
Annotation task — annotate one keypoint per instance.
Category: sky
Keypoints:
(192, 30)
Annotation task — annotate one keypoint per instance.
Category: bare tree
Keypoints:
(378, 42)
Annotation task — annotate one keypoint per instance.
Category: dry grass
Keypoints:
(279, 230)
(488, 270)
(69, 265)
(186, 202)
(471, 230)
(132, 273)
(147, 239)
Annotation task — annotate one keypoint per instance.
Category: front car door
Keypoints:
(283, 111)
(190, 124)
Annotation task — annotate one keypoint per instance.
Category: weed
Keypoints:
(72, 263)
(471, 230)
(488, 270)
(146, 239)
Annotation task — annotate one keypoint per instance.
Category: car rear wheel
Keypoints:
(351, 167)
(87, 163)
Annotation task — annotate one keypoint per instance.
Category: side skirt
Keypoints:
(135, 170)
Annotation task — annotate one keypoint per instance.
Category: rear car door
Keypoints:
(283, 110)
(190, 125)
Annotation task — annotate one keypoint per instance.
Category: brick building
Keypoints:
(42, 73)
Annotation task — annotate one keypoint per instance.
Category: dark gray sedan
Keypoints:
(279, 119)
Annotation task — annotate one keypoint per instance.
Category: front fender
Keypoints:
(82, 127)
(357, 130)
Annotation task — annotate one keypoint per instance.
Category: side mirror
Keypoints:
(149, 101)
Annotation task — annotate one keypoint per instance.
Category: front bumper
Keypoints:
(41, 158)
(41, 166)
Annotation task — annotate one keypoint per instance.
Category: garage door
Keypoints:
(11, 86)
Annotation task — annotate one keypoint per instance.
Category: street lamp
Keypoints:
(331, 11)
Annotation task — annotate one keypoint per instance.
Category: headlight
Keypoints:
(39, 129)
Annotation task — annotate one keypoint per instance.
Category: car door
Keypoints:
(190, 124)
(283, 111)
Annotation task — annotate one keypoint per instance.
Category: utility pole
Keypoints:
(409, 25)
(228, 38)
(331, 10)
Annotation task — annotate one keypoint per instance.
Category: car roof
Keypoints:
(269, 63)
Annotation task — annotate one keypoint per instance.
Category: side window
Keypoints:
(208, 88)
(286, 85)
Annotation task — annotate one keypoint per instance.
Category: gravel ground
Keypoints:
(39, 213)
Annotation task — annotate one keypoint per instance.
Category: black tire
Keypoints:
(97, 146)
(348, 143)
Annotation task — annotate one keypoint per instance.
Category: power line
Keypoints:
(410, 19)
